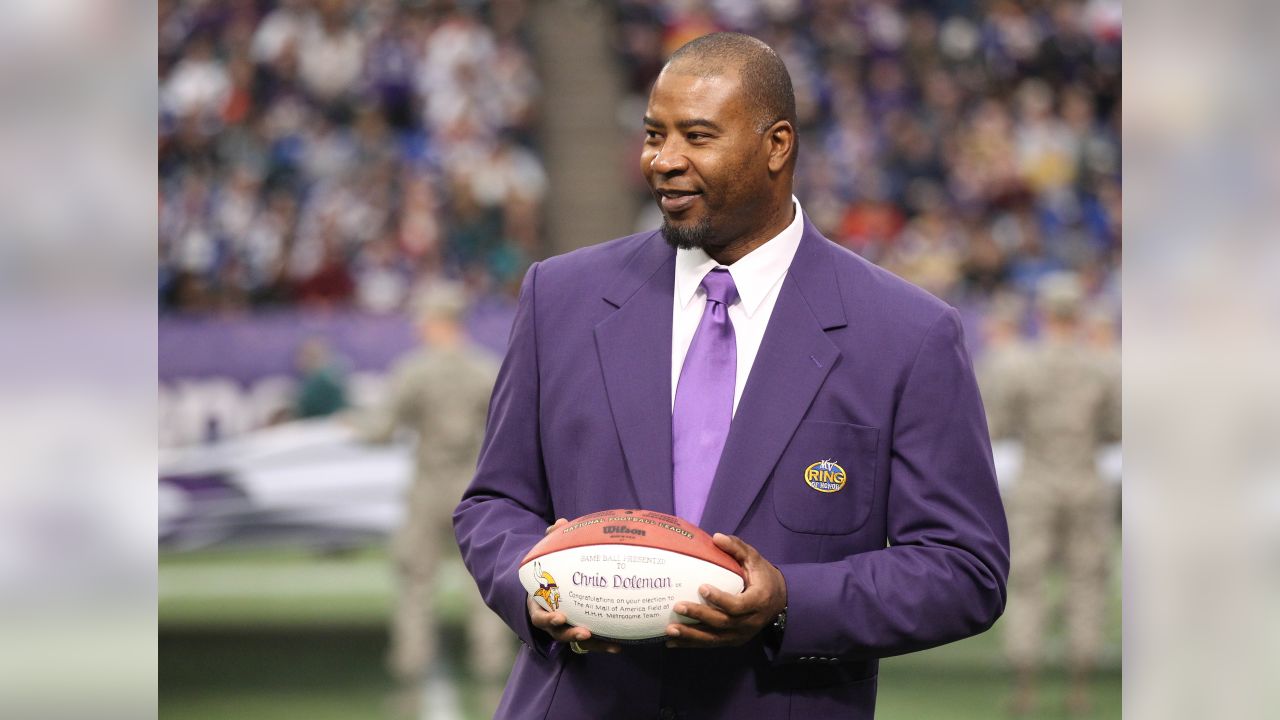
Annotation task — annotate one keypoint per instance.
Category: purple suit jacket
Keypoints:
(856, 366)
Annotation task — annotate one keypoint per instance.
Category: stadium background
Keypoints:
(319, 160)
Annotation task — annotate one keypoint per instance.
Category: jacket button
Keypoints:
(667, 713)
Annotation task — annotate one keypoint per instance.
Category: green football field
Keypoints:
(289, 634)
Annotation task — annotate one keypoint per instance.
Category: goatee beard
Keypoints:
(687, 237)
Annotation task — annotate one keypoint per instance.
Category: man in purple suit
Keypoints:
(815, 412)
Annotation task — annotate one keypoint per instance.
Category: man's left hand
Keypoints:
(728, 620)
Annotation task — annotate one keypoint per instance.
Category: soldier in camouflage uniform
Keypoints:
(1002, 341)
(441, 392)
(1060, 398)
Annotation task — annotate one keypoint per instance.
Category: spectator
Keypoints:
(309, 150)
(330, 52)
(321, 384)
(381, 277)
(198, 84)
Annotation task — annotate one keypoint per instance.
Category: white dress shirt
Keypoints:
(757, 275)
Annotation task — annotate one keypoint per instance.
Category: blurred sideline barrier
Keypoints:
(311, 482)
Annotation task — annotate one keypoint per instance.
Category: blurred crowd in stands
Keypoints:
(971, 146)
(332, 152)
(336, 152)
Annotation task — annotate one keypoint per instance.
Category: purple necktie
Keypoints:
(704, 398)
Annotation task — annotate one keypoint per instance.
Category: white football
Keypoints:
(618, 573)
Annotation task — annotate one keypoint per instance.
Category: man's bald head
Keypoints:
(764, 77)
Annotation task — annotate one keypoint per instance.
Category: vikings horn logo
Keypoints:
(547, 588)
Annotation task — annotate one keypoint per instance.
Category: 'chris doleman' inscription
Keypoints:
(621, 581)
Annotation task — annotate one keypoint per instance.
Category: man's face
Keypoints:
(703, 159)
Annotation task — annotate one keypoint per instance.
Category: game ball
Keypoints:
(618, 573)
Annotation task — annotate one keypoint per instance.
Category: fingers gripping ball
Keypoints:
(619, 573)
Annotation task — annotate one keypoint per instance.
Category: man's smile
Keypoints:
(675, 200)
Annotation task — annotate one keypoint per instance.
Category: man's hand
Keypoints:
(732, 620)
(557, 625)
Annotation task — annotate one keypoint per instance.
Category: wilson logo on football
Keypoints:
(825, 476)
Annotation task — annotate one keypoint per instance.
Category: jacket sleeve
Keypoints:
(942, 575)
(507, 507)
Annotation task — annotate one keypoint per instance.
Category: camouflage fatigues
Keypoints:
(443, 395)
(1061, 400)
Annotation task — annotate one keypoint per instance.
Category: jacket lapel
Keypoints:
(794, 359)
(634, 345)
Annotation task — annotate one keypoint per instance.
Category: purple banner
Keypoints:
(249, 347)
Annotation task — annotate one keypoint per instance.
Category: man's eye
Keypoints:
(697, 137)
(651, 134)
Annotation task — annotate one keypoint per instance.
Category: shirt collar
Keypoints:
(754, 275)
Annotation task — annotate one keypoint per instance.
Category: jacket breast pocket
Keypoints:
(825, 481)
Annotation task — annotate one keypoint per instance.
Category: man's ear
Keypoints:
(781, 137)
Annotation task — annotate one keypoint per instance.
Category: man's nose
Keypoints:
(668, 160)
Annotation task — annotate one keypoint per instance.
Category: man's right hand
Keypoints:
(557, 625)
